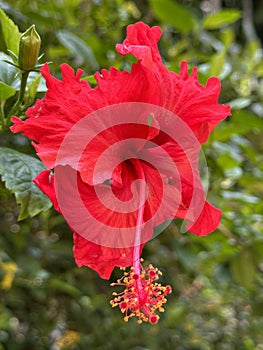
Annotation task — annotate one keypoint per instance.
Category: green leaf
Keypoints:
(8, 73)
(221, 19)
(79, 48)
(6, 91)
(243, 269)
(227, 36)
(38, 82)
(5, 316)
(177, 15)
(217, 63)
(226, 161)
(64, 287)
(91, 80)
(239, 196)
(17, 171)
(11, 34)
(187, 257)
(240, 103)
(33, 87)
(257, 309)
(240, 123)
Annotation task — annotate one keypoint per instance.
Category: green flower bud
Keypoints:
(29, 47)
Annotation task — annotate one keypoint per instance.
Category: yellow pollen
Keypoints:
(141, 296)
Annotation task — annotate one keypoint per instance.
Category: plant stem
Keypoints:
(16, 107)
(2, 115)
(25, 75)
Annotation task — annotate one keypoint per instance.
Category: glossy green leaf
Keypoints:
(173, 13)
(17, 171)
(8, 73)
(221, 18)
(11, 34)
(79, 49)
(6, 91)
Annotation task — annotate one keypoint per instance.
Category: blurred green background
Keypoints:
(217, 301)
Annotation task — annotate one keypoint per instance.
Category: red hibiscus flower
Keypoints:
(124, 157)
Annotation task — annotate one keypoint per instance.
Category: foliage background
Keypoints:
(217, 303)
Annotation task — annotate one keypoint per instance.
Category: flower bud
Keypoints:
(29, 47)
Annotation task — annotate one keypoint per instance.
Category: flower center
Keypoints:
(143, 299)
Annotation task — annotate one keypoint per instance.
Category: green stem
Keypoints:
(25, 75)
(16, 107)
(2, 115)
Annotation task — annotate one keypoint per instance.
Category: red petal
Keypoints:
(197, 105)
(45, 181)
(141, 41)
(113, 144)
(101, 259)
(65, 103)
(180, 93)
(207, 222)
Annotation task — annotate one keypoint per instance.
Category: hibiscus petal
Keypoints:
(180, 93)
(207, 222)
(197, 105)
(108, 215)
(187, 180)
(50, 119)
(141, 41)
(162, 198)
(45, 181)
(99, 258)
(113, 141)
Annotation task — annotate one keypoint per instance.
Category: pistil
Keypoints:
(142, 295)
